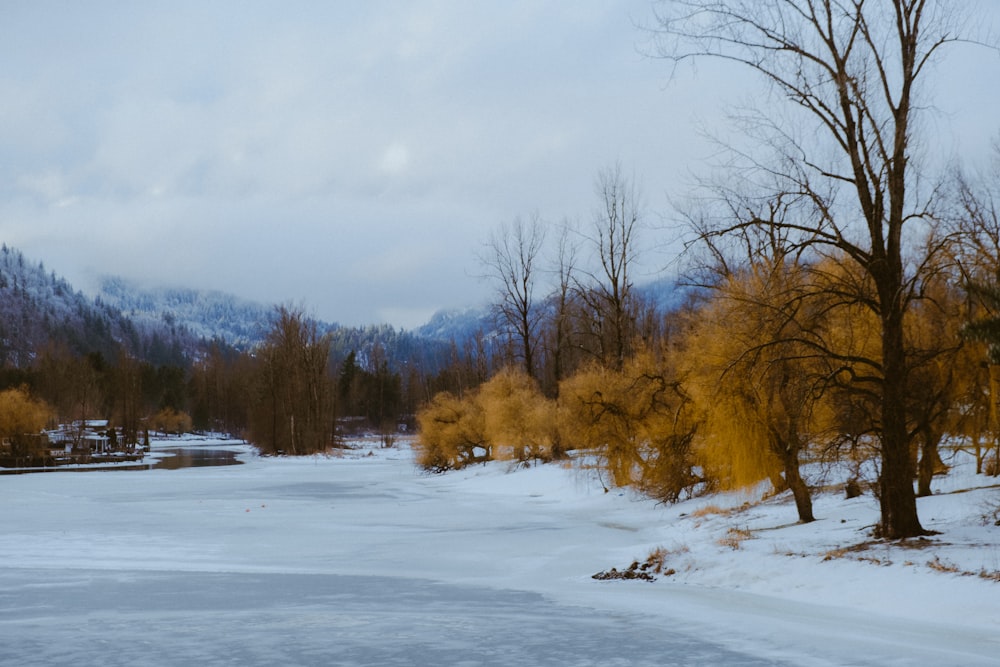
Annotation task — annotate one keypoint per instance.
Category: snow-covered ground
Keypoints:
(365, 560)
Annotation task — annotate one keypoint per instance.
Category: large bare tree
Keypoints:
(846, 74)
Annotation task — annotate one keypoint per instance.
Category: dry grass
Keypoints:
(991, 513)
(993, 575)
(939, 565)
(709, 510)
(735, 537)
(943, 566)
(656, 561)
(936, 563)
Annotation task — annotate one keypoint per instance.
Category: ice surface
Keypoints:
(364, 560)
(200, 618)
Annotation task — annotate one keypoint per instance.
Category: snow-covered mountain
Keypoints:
(243, 324)
(208, 315)
(167, 325)
(456, 324)
(462, 324)
(38, 309)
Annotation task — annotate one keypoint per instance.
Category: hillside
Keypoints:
(39, 308)
(243, 324)
(167, 325)
(204, 314)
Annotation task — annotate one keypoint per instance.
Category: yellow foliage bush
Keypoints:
(452, 433)
(519, 421)
(21, 414)
(751, 377)
(508, 419)
(637, 421)
(169, 420)
(22, 418)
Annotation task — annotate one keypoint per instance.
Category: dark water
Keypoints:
(194, 457)
(179, 457)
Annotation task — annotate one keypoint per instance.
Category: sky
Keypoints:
(352, 158)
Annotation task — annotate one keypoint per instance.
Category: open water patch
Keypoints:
(194, 457)
(165, 458)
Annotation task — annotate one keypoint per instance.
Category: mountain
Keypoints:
(665, 294)
(456, 324)
(243, 324)
(167, 326)
(208, 315)
(459, 325)
(38, 308)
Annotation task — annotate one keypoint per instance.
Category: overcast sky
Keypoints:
(349, 157)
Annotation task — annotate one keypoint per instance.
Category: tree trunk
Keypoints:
(800, 491)
(897, 499)
(778, 482)
(994, 371)
(930, 461)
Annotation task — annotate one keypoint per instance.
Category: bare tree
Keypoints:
(607, 290)
(294, 414)
(513, 252)
(851, 72)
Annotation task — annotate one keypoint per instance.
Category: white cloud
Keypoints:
(275, 149)
(395, 159)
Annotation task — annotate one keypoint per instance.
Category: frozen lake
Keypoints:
(198, 618)
(182, 568)
(367, 561)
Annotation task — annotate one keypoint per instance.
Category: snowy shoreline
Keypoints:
(142, 545)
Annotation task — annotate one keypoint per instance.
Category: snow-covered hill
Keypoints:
(165, 325)
(456, 324)
(462, 324)
(38, 309)
(205, 314)
(243, 324)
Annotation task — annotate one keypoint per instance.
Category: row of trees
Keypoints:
(762, 372)
(593, 313)
(831, 289)
(290, 394)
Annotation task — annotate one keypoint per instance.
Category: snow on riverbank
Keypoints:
(944, 588)
(513, 549)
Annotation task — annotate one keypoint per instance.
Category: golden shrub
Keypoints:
(452, 433)
(21, 414)
(519, 421)
(169, 420)
(637, 421)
